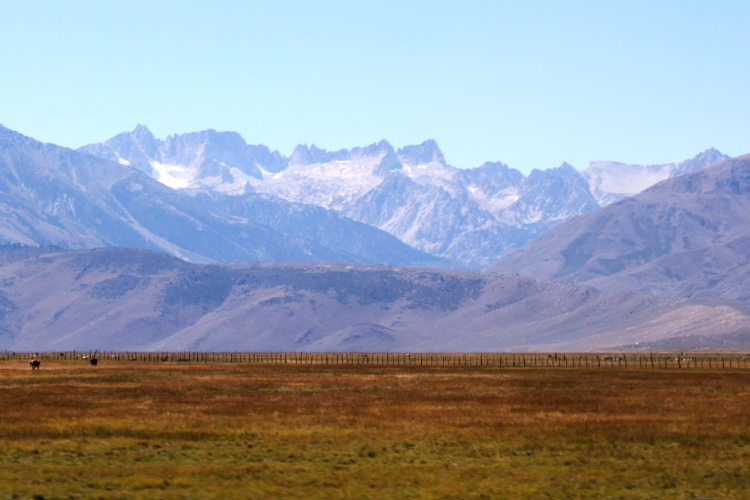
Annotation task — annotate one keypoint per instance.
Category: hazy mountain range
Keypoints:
(472, 216)
(130, 299)
(685, 237)
(52, 195)
(665, 268)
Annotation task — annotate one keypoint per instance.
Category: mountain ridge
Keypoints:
(138, 300)
(687, 236)
(492, 204)
(57, 196)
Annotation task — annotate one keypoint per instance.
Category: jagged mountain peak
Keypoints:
(141, 130)
(300, 155)
(232, 140)
(686, 237)
(703, 159)
(425, 153)
(441, 207)
(390, 161)
(145, 140)
(311, 155)
(493, 178)
(374, 149)
(710, 152)
(53, 195)
(565, 170)
(566, 166)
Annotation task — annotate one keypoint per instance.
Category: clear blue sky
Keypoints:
(528, 83)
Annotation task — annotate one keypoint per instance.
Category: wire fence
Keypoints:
(501, 360)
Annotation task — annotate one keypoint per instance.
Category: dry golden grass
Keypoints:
(267, 431)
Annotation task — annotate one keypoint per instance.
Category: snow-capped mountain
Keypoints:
(612, 181)
(208, 159)
(684, 237)
(472, 216)
(51, 195)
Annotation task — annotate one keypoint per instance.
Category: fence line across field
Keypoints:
(501, 360)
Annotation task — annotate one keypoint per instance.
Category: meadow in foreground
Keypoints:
(267, 431)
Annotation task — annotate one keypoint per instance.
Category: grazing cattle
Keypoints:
(93, 361)
(84, 358)
(165, 358)
(34, 364)
(132, 359)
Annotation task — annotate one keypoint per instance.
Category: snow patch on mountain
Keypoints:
(333, 184)
(437, 174)
(613, 181)
(174, 176)
(496, 202)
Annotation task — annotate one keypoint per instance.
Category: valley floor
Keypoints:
(231, 430)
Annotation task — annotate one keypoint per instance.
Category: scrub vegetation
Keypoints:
(243, 430)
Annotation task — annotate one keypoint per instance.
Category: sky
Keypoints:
(528, 83)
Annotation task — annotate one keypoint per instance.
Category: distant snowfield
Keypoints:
(330, 185)
(174, 176)
(611, 180)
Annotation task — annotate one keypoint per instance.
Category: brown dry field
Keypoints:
(232, 430)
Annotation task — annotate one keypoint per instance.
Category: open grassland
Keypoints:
(243, 430)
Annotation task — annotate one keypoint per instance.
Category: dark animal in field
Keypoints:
(34, 364)
(93, 361)
(132, 359)
(165, 358)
